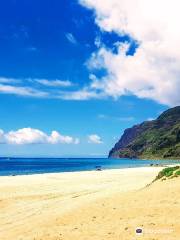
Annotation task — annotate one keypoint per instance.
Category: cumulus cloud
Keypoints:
(56, 137)
(153, 71)
(25, 136)
(35, 136)
(94, 138)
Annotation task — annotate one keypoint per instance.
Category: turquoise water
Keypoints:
(21, 166)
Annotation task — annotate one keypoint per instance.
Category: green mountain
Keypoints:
(157, 139)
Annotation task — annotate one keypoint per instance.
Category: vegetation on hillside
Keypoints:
(157, 139)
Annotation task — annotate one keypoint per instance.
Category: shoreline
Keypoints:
(93, 170)
(111, 165)
(87, 172)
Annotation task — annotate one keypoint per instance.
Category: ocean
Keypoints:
(24, 166)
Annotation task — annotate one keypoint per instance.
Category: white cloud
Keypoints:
(70, 37)
(35, 136)
(9, 86)
(94, 138)
(9, 80)
(26, 136)
(22, 91)
(97, 41)
(26, 87)
(82, 94)
(154, 70)
(2, 136)
(54, 83)
(56, 137)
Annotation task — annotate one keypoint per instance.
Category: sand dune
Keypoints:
(89, 205)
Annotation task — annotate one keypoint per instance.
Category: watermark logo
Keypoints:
(139, 231)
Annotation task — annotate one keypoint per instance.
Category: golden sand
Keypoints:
(90, 205)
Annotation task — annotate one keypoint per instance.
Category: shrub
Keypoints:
(177, 173)
(168, 172)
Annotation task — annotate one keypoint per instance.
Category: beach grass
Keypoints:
(168, 172)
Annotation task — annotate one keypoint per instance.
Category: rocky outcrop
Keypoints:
(159, 138)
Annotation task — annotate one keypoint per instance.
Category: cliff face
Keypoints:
(159, 138)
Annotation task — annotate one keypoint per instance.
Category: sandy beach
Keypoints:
(96, 205)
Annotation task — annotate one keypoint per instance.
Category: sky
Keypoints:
(75, 74)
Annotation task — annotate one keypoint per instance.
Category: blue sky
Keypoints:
(55, 75)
